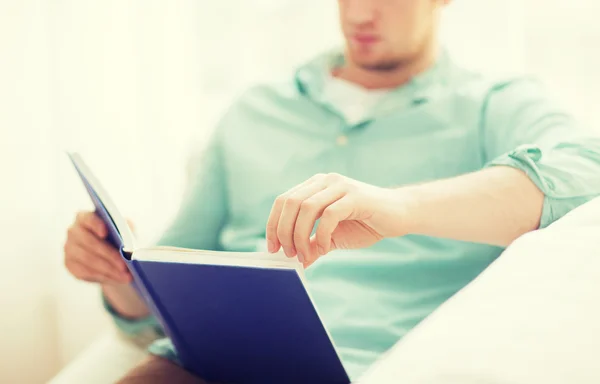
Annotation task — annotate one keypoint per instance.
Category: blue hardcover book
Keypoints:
(233, 317)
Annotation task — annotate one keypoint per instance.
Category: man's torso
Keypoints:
(277, 137)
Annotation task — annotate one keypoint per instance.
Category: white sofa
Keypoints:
(532, 317)
(103, 362)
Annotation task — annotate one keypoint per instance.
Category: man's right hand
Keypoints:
(89, 257)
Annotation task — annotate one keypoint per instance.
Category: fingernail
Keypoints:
(293, 251)
(271, 246)
(300, 257)
(321, 250)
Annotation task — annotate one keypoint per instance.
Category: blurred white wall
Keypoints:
(136, 85)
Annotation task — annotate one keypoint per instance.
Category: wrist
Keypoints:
(409, 200)
(400, 207)
(125, 301)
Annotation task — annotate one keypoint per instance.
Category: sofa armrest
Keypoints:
(530, 318)
(103, 362)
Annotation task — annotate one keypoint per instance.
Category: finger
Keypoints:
(85, 247)
(92, 222)
(82, 272)
(313, 251)
(273, 221)
(94, 262)
(331, 217)
(100, 248)
(92, 268)
(99, 266)
(289, 214)
(310, 210)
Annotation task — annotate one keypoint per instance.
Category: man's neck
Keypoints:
(371, 79)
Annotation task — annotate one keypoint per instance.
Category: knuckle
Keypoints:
(318, 176)
(334, 177)
(99, 229)
(280, 200)
(328, 214)
(298, 237)
(83, 216)
(293, 202)
(91, 220)
(94, 221)
(347, 187)
(308, 205)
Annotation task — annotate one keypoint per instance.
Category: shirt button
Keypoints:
(342, 140)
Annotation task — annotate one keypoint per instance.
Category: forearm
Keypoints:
(493, 206)
(125, 301)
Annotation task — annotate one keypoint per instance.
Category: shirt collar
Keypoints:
(312, 77)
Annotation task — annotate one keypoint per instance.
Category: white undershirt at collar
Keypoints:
(353, 101)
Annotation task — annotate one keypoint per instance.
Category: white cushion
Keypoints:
(107, 360)
(532, 317)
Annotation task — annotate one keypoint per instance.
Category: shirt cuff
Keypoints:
(559, 176)
(132, 327)
(164, 348)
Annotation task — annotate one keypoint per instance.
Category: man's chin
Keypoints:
(371, 62)
(379, 65)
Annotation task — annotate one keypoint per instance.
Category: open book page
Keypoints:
(240, 259)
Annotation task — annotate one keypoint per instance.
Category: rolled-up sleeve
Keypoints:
(524, 129)
(142, 331)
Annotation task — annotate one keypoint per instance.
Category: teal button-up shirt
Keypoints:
(443, 123)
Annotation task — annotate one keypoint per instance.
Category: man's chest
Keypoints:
(267, 158)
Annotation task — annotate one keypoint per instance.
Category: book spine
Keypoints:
(144, 287)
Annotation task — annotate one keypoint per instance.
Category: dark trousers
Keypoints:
(155, 370)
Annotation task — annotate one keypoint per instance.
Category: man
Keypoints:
(429, 168)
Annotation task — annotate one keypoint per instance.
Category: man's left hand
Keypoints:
(352, 215)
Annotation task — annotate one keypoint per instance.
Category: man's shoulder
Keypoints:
(482, 85)
(274, 104)
(268, 93)
(265, 101)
